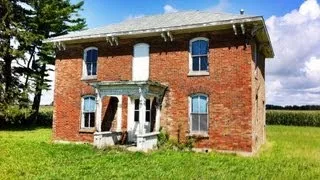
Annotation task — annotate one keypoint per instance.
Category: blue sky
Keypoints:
(102, 12)
(292, 76)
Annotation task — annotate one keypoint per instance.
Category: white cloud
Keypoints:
(169, 9)
(222, 6)
(296, 67)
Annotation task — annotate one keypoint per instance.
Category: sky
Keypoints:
(292, 76)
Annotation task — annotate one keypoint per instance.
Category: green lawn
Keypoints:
(291, 153)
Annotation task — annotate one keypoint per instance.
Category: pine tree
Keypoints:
(12, 33)
(50, 18)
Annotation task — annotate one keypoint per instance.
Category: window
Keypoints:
(88, 112)
(90, 61)
(199, 114)
(199, 48)
(140, 62)
(136, 110)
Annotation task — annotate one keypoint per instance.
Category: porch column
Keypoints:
(98, 111)
(157, 126)
(119, 114)
(142, 113)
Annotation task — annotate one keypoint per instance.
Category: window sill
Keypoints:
(87, 130)
(198, 73)
(88, 78)
(198, 135)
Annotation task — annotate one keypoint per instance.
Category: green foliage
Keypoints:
(45, 116)
(167, 143)
(291, 153)
(15, 116)
(163, 138)
(28, 24)
(293, 118)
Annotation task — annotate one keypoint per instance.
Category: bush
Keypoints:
(45, 118)
(164, 142)
(293, 118)
(14, 116)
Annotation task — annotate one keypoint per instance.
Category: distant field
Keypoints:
(293, 117)
(291, 153)
(46, 108)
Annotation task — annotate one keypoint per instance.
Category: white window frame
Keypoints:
(191, 71)
(205, 133)
(82, 113)
(84, 66)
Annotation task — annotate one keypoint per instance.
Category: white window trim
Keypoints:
(82, 113)
(202, 133)
(197, 73)
(84, 67)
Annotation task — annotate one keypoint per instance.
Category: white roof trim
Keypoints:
(148, 31)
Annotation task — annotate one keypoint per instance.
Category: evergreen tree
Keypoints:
(13, 40)
(50, 18)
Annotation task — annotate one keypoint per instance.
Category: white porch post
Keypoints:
(98, 111)
(119, 114)
(142, 113)
(157, 126)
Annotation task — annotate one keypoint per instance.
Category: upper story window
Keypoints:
(199, 113)
(199, 48)
(88, 112)
(90, 62)
(140, 62)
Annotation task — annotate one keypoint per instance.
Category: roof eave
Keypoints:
(155, 30)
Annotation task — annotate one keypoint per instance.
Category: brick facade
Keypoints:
(236, 122)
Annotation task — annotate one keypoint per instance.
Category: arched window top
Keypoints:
(141, 50)
(199, 103)
(199, 39)
(141, 44)
(91, 47)
(89, 103)
(199, 46)
(91, 54)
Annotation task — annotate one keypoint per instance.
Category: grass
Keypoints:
(291, 153)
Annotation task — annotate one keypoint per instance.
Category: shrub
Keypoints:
(45, 118)
(16, 115)
(293, 118)
(164, 142)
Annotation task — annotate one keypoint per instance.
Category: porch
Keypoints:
(143, 113)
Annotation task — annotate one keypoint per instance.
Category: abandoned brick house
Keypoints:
(193, 74)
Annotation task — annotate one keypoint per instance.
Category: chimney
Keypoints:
(241, 11)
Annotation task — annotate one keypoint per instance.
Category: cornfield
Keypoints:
(293, 118)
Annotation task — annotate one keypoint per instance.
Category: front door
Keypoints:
(136, 125)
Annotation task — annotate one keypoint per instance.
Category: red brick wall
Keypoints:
(229, 87)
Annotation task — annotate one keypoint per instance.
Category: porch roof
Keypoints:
(129, 88)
